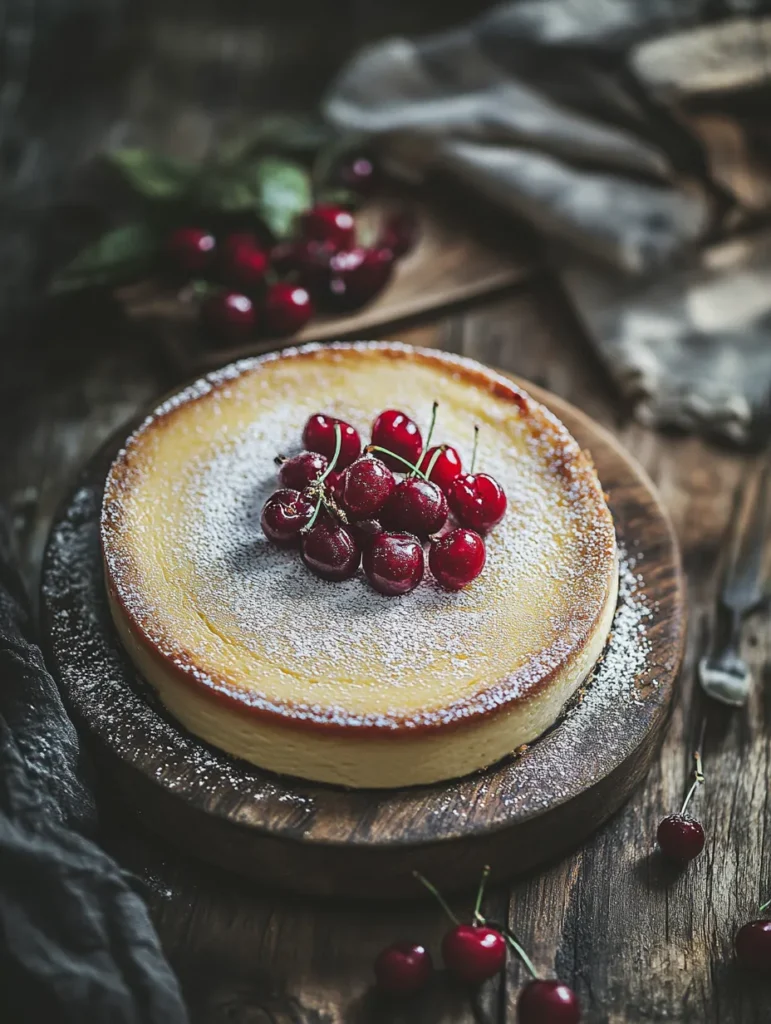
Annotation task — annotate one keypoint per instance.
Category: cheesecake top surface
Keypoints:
(197, 583)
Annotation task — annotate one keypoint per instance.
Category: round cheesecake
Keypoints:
(334, 682)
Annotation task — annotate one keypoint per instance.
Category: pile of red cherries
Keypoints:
(276, 290)
(344, 507)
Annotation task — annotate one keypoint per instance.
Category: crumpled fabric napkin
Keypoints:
(576, 116)
(76, 940)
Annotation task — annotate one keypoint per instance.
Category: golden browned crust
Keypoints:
(124, 583)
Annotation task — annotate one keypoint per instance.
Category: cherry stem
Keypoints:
(437, 896)
(516, 945)
(765, 906)
(439, 451)
(474, 452)
(430, 433)
(478, 919)
(279, 460)
(320, 480)
(385, 451)
(698, 772)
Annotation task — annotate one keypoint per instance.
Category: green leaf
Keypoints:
(118, 257)
(283, 192)
(152, 175)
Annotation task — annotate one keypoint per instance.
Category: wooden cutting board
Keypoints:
(327, 840)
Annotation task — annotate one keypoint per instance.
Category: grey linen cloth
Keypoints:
(588, 118)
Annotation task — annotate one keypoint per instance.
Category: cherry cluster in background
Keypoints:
(379, 507)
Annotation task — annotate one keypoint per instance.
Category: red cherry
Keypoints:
(301, 470)
(243, 262)
(680, 838)
(474, 953)
(284, 515)
(400, 233)
(230, 315)
(359, 173)
(446, 467)
(330, 551)
(350, 278)
(416, 506)
(334, 486)
(191, 250)
(457, 559)
(403, 968)
(548, 1002)
(366, 486)
(364, 531)
(327, 223)
(400, 435)
(288, 308)
(394, 563)
(478, 501)
(753, 945)
(319, 436)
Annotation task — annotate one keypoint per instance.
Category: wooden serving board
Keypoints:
(325, 840)
(457, 258)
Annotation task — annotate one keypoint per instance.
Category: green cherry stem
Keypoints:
(765, 906)
(439, 451)
(385, 451)
(429, 435)
(698, 772)
(478, 919)
(516, 945)
(437, 896)
(474, 452)
(319, 482)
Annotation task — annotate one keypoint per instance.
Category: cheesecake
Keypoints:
(332, 681)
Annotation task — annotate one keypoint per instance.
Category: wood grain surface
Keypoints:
(330, 841)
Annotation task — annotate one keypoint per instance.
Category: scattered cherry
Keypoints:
(680, 838)
(753, 945)
(319, 436)
(366, 486)
(288, 308)
(327, 223)
(191, 250)
(284, 515)
(477, 500)
(300, 471)
(394, 563)
(457, 559)
(474, 952)
(243, 262)
(330, 551)
(403, 968)
(400, 435)
(445, 468)
(359, 173)
(230, 314)
(547, 1002)
(364, 531)
(348, 279)
(416, 506)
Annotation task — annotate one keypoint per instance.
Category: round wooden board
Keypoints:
(324, 840)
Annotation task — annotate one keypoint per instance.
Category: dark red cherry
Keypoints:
(400, 232)
(301, 470)
(474, 953)
(548, 1002)
(477, 500)
(415, 506)
(230, 315)
(400, 435)
(680, 838)
(243, 262)
(446, 465)
(288, 308)
(319, 436)
(350, 278)
(457, 559)
(359, 173)
(366, 486)
(191, 250)
(334, 486)
(753, 945)
(403, 968)
(394, 563)
(330, 551)
(364, 531)
(330, 224)
(284, 515)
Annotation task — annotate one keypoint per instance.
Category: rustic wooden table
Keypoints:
(639, 941)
